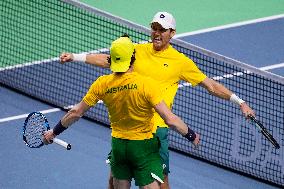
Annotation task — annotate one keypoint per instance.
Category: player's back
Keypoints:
(130, 98)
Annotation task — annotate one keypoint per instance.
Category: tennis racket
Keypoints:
(264, 131)
(34, 127)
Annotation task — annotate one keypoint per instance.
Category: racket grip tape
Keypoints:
(62, 143)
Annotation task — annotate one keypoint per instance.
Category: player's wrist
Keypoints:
(79, 57)
(59, 128)
(236, 100)
(190, 135)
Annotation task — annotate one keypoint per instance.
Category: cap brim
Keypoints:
(163, 24)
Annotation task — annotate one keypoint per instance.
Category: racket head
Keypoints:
(34, 127)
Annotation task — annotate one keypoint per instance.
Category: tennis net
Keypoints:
(34, 33)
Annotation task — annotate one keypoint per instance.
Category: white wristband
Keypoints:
(235, 99)
(79, 57)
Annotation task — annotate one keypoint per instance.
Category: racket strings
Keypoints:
(34, 130)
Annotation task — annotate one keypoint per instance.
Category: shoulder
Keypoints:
(180, 57)
(177, 54)
(142, 46)
(104, 78)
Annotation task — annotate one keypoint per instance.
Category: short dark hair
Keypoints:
(133, 58)
(125, 35)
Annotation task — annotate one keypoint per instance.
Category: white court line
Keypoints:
(12, 118)
(230, 25)
(271, 67)
(47, 60)
(180, 86)
(102, 50)
(217, 78)
(25, 115)
(28, 64)
(265, 68)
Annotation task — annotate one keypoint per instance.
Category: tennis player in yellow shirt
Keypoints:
(160, 61)
(131, 100)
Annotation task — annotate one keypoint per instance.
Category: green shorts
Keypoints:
(138, 159)
(162, 135)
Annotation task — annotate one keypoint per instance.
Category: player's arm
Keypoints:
(100, 60)
(89, 100)
(67, 120)
(74, 114)
(176, 123)
(217, 89)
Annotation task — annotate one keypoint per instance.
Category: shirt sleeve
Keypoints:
(191, 73)
(95, 92)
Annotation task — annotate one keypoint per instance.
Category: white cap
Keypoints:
(166, 20)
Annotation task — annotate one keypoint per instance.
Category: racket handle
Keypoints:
(62, 143)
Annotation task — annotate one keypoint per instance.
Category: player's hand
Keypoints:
(247, 110)
(66, 57)
(48, 137)
(196, 141)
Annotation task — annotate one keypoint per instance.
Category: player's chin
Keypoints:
(157, 46)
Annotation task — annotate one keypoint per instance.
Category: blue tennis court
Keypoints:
(257, 43)
(84, 165)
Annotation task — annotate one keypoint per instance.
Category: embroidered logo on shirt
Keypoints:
(166, 65)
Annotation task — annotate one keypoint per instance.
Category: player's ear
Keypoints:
(109, 60)
(173, 32)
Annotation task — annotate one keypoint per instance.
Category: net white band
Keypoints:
(79, 57)
(235, 99)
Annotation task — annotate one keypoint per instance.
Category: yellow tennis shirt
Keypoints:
(129, 98)
(168, 67)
